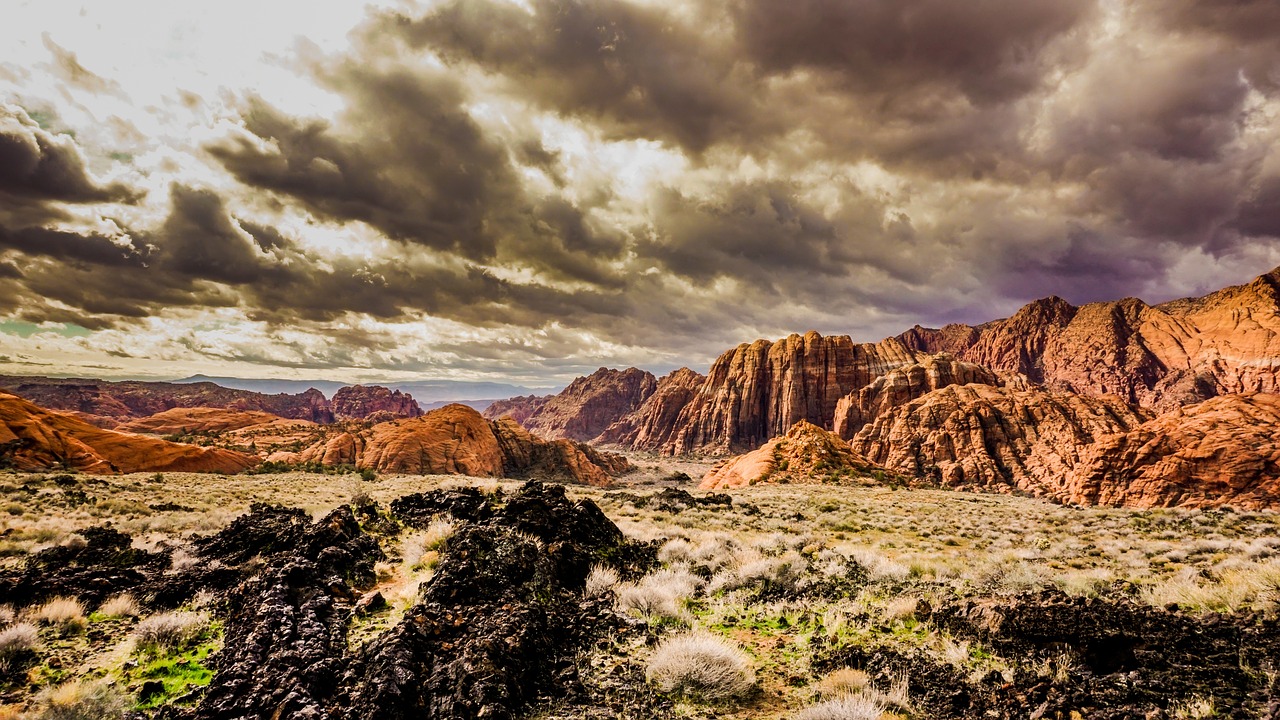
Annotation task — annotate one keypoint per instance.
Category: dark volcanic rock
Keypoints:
(103, 565)
(417, 510)
(495, 622)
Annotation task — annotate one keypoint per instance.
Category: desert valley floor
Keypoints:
(473, 597)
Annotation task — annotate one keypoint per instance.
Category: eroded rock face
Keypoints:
(759, 390)
(192, 420)
(589, 405)
(806, 454)
(1221, 451)
(651, 426)
(455, 439)
(518, 408)
(360, 402)
(1161, 356)
(902, 385)
(134, 399)
(527, 456)
(982, 437)
(32, 438)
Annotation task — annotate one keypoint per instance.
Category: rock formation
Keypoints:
(199, 420)
(373, 402)
(455, 439)
(650, 425)
(1161, 356)
(759, 390)
(902, 385)
(587, 407)
(518, 408)
(806, 454)
(1222, 451)
(32, 438)
(134, 399)
(981, 437)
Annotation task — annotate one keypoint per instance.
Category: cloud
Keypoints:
(39, 165)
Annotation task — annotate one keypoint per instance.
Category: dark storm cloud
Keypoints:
(911, 55)
(39, 165)
(636, 70)
(416, 167)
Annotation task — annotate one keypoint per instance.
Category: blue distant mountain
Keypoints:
(426, 392)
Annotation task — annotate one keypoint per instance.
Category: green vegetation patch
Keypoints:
(179, 672)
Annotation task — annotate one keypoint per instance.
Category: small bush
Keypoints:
(18, 639)
(368, 474)
(80, 701)
(120, 606)
(701, 665)
(845, 681)
(600, 580)
(171, 630)
(849, 707)
(64, 614)
(659, 594)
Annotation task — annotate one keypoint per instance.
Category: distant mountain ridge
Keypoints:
(425, 392)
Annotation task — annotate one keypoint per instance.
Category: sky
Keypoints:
(525, 190)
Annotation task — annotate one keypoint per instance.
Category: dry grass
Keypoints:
(602, 579)
(17, 639)
(851, 707)
(80, 701)
(120, 606)
(65, 615)
(170, 630)
(701, 665)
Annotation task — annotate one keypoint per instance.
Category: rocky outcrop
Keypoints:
(589, 405)
(373, 402)
(759, 390)
(134, 399)
(518, 408)
(651, 425)
(806, 454)
(32, 438)
(180, 421)
(1221, 451)
(455, 439)
(982, 437)
(1161, 356)
(902, 385)
(527, 456)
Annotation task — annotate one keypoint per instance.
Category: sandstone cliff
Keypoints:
(373, 402)
(455, 439)
(806, 454)
(902, 385)
(759, 390)
(32, 438)
(589, 405)
(518, 408)
(1161, 356)
(982, 437)
(651, 426)
(199, 420)
(1221, 451)
(134, 399)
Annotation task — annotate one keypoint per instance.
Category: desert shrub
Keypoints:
(420, 549)
(368, 474)
(120, 606)
(64, 614)
(600, 580)
(659, 594)
(845, 681)
(678, 550)
(701, 665)
(80, 701)
(170, 630)
(18, 639)
(7, 615)
(848, 707)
